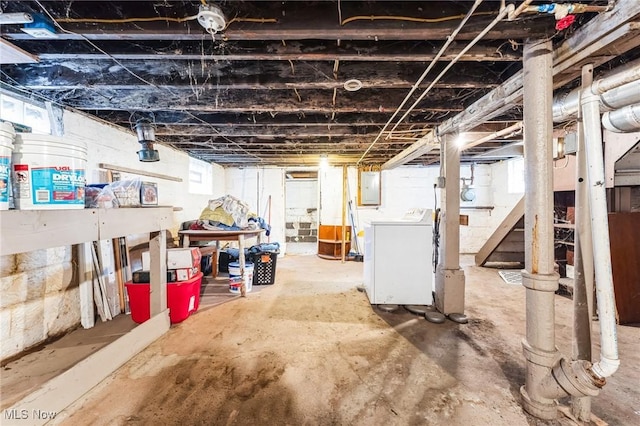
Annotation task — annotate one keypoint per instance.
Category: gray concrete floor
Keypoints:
(310, 349)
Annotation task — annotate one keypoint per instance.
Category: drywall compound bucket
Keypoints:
(7, 135)
(235, 281)
(48, 172)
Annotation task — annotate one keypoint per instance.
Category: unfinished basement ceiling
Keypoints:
(276, 85)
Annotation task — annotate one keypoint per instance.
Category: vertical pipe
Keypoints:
(609, 361)
(583, 263)
(539, 277)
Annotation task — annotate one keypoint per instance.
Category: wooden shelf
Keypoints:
(330, 241)
(29, 230)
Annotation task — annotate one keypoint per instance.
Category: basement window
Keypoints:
(200, 177)
(515, 172)
(25, 114)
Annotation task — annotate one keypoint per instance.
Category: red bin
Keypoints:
(183, 298)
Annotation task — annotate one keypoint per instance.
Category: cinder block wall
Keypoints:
(39, 296)
(301, 211)
(408, 187)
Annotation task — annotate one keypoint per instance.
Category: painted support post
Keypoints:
(450, 280)
(539, 277)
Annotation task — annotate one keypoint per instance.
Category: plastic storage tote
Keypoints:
(183, 298)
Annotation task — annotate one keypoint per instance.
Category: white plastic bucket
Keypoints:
(7, 134)
(48, 172)
(234, 277)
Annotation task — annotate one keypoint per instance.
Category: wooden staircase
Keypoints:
(506, 244)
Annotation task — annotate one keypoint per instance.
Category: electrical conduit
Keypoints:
(504, 12)
(443, 49)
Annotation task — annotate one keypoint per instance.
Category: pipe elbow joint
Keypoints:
(605, 368)
(571, 378)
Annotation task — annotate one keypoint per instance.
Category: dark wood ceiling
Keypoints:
(269, 89)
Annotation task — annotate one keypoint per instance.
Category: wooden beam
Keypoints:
(137, 172)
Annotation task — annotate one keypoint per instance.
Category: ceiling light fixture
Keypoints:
(211, 18)
(146, 131)
(352, 85)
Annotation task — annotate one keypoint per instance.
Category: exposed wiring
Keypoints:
(450, 40)
(472, 43)
(409, 18)
(159, 18)
(436, 230)
(125, 20)
(93, 45)
(257, 20)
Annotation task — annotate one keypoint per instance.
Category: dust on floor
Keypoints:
(310, 350)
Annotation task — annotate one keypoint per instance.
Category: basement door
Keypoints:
(301, 211)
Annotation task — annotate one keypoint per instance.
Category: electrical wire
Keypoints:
(504, 12)
(159, 18)
(409, 18)
(125, 20)
(94, 46)
(443, 49)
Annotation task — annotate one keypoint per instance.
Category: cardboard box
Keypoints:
(185, 274)
(177, 258)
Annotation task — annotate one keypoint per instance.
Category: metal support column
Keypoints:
(539, 277)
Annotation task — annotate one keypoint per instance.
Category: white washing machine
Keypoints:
(397, 260)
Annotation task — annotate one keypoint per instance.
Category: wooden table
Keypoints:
(220, 235)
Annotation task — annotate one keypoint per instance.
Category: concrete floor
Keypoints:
(310, 350)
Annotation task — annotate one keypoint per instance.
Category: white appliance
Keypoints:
(397, 260)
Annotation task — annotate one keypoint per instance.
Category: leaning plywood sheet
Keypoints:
(500, 233)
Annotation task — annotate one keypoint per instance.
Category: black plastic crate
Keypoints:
(224, 259)
(264, 267)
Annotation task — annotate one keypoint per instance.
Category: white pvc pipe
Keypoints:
(609, 360)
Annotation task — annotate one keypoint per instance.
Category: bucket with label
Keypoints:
(235, 281)
(48, 172)
(7, 135)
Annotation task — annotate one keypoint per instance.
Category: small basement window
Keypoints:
(26, 114)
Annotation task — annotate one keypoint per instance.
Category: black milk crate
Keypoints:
(264, 267)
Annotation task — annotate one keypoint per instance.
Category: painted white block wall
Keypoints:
(39, 296)
(301, 199)
(262, 188)
(407, 187)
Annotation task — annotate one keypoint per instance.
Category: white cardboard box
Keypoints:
(185, 274)
(177, 258)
